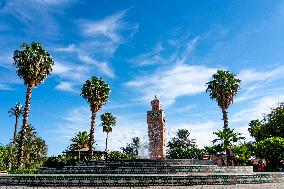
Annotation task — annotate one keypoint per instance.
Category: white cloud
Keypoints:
(100, 39)
(103, 66)
(65, 86)
(35, 15)
(69, 48)
(108, 27)
(5, 87)
(78, 119)
(251, 75)
(255, 84)
(180, 80)
(257, 108)
(59, 68)
(53, 2)
(149, 58)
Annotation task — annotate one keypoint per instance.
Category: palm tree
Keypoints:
(16, 111)
(226, 139)
(80, 141)
(96, 92)
(223, 88)
(34, 65)
(108, 121)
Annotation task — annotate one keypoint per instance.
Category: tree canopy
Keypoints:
(33, 62)
(272, 125)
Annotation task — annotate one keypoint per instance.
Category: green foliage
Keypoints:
(242, 154)
(270, 148)
(223, 88)
(79, 141)
(256, 129)
(33, 62)
(117, 155)
(186, 153)
(227, 138)
(96, 92)
(108, 121)
(24, 171)
(272, 125)
(4, 157)
(132, 149)
(214, 150)
(35, 152)
(60, 161)
(17, 110)
(181, 141)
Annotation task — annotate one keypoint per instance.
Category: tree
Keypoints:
(242, 153)
(108, 121)
(227, 139)
(34, 64)
(16, 111)
(136, 145)
(271, 149)
(272, 125)
(223, 88)
(79, 141)
(182, 140)
(35, 149)
(256, 130)
(132, 149)
(4, 158)
(96, 92)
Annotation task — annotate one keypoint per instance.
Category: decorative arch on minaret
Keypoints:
(156, 120)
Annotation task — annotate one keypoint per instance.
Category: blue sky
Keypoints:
(142, 48)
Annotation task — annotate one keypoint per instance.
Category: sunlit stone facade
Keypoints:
(156, 120)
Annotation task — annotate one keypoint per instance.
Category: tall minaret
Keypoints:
(156, 120)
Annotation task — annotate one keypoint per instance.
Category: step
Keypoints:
(145, 162)
(129, 180)
(173, 169)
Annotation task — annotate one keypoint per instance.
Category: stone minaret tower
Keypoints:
(156, 120)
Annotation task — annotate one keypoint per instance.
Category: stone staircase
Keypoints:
(143, 173)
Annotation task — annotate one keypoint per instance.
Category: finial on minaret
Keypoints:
(156, 96)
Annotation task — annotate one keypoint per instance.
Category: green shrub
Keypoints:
(60, 161)
(117, 155)
(24, 171)
(186, 153)
(271, 149)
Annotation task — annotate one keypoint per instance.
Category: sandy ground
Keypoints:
(247, 186)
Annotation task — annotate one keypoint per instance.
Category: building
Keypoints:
(156, 120)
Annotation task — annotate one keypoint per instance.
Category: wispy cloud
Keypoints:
(179, 80)
(78, 119)
(251, 75)
(257, 108)
(65, 86)
(149, 58)
(109, 27)
(256, 84)
(36, 15)
(99, 41)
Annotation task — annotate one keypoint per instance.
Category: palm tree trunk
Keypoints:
(15, 130)
(225, 118)
(225, 127)
(24, 126)
(92, 131)
(106, 142)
